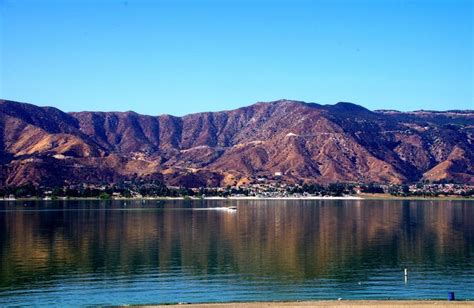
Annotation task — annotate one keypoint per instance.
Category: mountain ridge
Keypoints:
(306, 142)
(457, 111)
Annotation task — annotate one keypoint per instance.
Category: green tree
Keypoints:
(104, 196)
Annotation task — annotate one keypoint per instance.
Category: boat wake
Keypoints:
(225, 209)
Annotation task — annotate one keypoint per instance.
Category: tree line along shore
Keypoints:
(138, 190)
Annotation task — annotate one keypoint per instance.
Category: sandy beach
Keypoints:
(339, 304)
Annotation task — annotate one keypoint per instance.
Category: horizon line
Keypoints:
(460, 111)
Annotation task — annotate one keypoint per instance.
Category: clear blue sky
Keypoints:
(180, 57)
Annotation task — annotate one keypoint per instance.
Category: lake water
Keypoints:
(109, 253)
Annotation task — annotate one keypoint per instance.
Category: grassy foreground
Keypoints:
(338, 304)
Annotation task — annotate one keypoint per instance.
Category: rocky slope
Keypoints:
(304, 141)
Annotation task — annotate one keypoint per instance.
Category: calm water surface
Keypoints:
(92, 252)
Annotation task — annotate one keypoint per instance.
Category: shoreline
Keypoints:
(189, 199)
(253, 198)
(415, 198)
(325, 303)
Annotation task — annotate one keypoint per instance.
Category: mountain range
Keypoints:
(285, 140)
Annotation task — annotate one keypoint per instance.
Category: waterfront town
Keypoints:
(259, 189)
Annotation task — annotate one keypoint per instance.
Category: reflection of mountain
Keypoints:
(318, 143)
(289, 241)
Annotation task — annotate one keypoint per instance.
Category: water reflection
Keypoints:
(342, 243)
